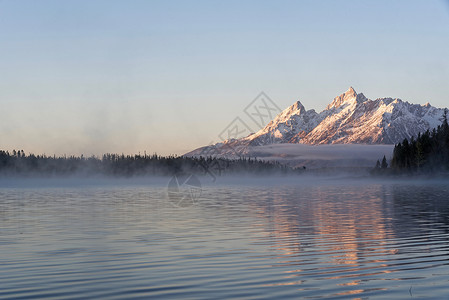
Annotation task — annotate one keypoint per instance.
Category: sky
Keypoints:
(97, 76)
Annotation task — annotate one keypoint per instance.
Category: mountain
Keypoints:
(350, 118)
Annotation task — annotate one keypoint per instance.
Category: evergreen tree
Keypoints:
(428, 152)
(384, 164)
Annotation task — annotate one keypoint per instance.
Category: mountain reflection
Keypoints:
(330, 238)
(352, 233)
(318, 219)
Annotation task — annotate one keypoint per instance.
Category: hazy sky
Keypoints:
(168, 76)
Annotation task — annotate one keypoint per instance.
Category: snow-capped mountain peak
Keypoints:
(348, 97)
(296, 109)
(292, 123)
(350, 118)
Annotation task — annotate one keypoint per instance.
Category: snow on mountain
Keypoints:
(350, 118)
(290, 126)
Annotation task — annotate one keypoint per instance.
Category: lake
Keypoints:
(238, 238)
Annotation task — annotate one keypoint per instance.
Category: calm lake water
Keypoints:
(314, 238)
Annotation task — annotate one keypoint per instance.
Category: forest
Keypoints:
(17, 163)
(428, 153)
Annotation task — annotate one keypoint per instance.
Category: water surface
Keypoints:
(347, 239)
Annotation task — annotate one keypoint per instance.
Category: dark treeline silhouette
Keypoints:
(382, 165)
(18, 163)
(429, 152)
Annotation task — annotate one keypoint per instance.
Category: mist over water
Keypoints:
(295, 237)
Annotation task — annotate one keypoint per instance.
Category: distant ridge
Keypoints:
(350, 118)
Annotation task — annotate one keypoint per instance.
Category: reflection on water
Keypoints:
(332, 240)
(356, 236)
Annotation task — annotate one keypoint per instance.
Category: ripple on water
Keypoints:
(295, 241)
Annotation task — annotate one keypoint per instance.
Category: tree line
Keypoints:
(429, 152)
(17, 163)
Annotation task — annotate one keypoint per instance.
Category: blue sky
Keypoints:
(168, 76)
